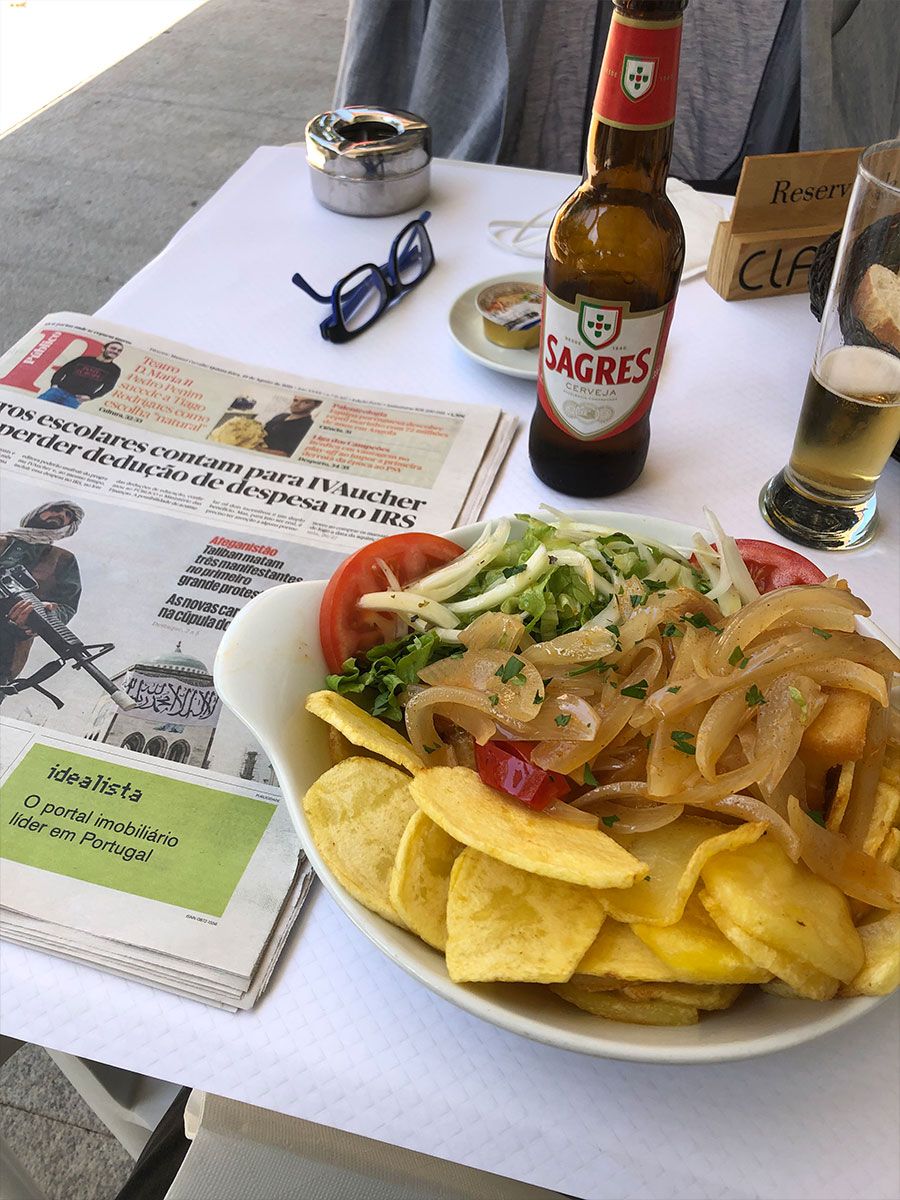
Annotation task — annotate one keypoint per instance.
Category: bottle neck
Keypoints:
(628, 159)
(630, 139)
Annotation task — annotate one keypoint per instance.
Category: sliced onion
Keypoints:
(705, 795)
(410, 604)
(639, 819)
(843, 673)
(504, 589)
(748, 808)
(566, 812)
(832, 857)
(446, 581)
(782, 722)
(745, 627)
(481, 671)
(858, 817)
(420, 711)
(724, 717)
(493, 631)
(580, 562)
(570, 650)
(731, 558)
(560, 713)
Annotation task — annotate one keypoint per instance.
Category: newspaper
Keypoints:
(148, 493)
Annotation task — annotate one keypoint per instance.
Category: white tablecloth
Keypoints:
(345, 1038)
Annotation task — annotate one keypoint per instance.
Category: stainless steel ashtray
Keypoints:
(366, 162)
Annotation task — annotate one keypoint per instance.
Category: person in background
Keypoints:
(87, 377)
(285, 431)
(755, 78)
(54, 569)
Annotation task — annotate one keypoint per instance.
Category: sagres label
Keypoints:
(599, 364)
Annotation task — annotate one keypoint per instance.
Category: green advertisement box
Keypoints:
(119, 827)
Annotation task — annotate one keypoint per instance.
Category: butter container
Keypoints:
(511, 314)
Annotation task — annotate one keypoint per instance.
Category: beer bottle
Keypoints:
(612, 266)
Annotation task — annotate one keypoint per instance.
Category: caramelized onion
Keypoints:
(570, 650)
(832, 857)
(748, 808)
(493, 631)
(483, 671)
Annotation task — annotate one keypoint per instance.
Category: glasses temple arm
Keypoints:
(298, 281)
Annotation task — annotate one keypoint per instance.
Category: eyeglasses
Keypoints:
(359, 299)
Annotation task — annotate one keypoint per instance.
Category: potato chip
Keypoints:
(504, 828)
(838, 805)
(507, 924)
(709, 997)
(886, 804)
(357, 814)
(364, 730)
(880, 973)
(777, 987)
(340, 747)
(785, 906)
(674, 856)
(619, 954)
(616, 1006)
(804, 979)
(420, 880)
(696, 950)
(889, 850)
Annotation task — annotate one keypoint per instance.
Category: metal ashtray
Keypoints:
(366, 162)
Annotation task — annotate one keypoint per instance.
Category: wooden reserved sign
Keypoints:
(786, 205)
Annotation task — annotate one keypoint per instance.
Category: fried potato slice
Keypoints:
(777, 987)
(889, 850)
(880, 973)
(838, 733)
(512, 925)
(503, 828)
(357, 814)
(805, 980)
(362, 729)
(674, 856)
(838, 805)
(619, 954)
(785, 906)
(697, 951)
(708, 997)
(340, 747)
(886, 805)
(616, 1006)
(420, 880)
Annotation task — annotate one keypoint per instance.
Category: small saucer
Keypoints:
(467, 331)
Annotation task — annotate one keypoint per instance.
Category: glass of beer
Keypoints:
(850, 421)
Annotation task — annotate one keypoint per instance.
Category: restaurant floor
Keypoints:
(94, 187)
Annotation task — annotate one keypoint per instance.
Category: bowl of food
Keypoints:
(599, 779)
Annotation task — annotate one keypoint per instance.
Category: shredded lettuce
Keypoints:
(384, 671)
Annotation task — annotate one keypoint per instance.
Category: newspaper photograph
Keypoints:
(148, 494)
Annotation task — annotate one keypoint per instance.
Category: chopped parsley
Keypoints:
(610, 820)
(638, 600)
(754, 696)
(494, 699)
(655, 585)
(589, 776)
(508, 572)
(430, 749)
(816, 816)
(562, 719)
(822, 633)
(683, 739)
(672, 630)
(511, 671)
(538, 697)
(614, 630)
(599, 665)
(702, 621)
(674, 690)
(637, 691)
(737, 658)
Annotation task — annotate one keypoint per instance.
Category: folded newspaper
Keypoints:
(148, 493)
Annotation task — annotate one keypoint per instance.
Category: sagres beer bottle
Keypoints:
(614, 257)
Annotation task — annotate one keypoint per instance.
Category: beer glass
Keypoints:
(850, 420)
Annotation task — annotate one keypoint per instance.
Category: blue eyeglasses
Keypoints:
(359, 299)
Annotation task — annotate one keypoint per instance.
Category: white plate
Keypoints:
(268, 662)
(467, 331)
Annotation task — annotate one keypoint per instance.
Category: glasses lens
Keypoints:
(413, 256)
(362, 298)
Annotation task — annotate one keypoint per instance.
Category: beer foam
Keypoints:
(861, 372)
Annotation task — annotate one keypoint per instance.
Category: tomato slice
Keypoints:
(773, 567)
(344, 629)
(507, 767)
